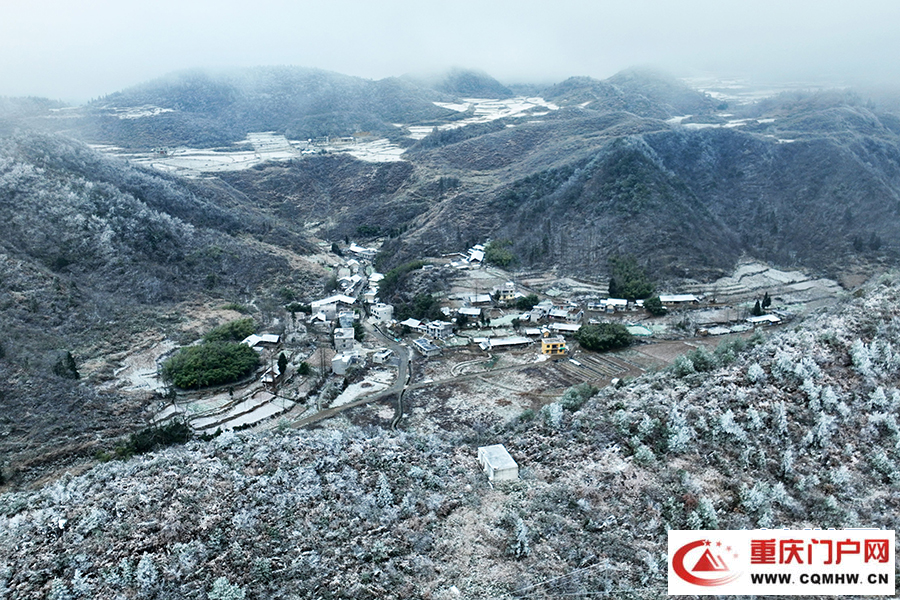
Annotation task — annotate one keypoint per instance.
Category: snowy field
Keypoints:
(269, 146)
(485, 110)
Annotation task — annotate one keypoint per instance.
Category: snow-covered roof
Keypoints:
(567, 327)
(334, 299)
(764, 319)
(412, 323)
(677, 298)
(497, 457)
(515, 340)
(251, 340)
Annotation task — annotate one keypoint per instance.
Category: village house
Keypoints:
(382, 356)
(382, 313)
(258, 342)
(499, 343)
(505, 292)
(470, 312)
(569, 328)
(343, 339)
(362, 253)
(425, 347)
(478, 299)
(497, 463)
(346, 318)
(340, 363)
(439, 330)
(328, 307)
(553, 345)
(764, 320)
(540, 310)
(679, 299)
(414, 325)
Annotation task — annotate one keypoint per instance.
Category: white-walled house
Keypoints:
(343, 339)
(382, 313)
(497, 463)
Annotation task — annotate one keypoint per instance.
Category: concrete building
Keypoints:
(346, 318)
(341, 362)
(505, 292)
(678, 299)
(382, 356)
(570, 328)
(440, 330)
(425, 347)
(382, 313)
(343, 339)
(497, 463)
(553, 345)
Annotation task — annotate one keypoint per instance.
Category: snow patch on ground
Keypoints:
(375, 382)
(486, 110)
(138, 112)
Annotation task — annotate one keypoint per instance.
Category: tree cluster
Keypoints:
(628, 279)
(210, 363)
(603, 336)
(498, 252)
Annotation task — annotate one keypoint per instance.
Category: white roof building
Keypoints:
(382, 313)
(764, 319)
(344, 339)
(564, 327)
(440, 329)
(678, 298)
(425, 347)
(497, 463)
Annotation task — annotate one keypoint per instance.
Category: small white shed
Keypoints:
(497, 463)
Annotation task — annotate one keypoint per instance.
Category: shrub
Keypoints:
(233, 331)
(575, 397)
(212, 363)
(152, 438)
(222, 589)
(603, 336)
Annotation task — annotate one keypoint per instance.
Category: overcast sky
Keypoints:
(76, 50)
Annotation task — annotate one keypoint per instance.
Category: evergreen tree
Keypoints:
(282, 363)
(767, 301)
(65, 366)
(654, 306)
(756, 311)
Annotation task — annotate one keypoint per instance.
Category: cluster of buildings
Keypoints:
(545, 324)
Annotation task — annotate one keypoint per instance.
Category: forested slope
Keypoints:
(799, 430)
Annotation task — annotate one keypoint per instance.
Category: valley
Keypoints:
(674, 305)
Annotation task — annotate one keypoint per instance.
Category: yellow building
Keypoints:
(553, 345)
